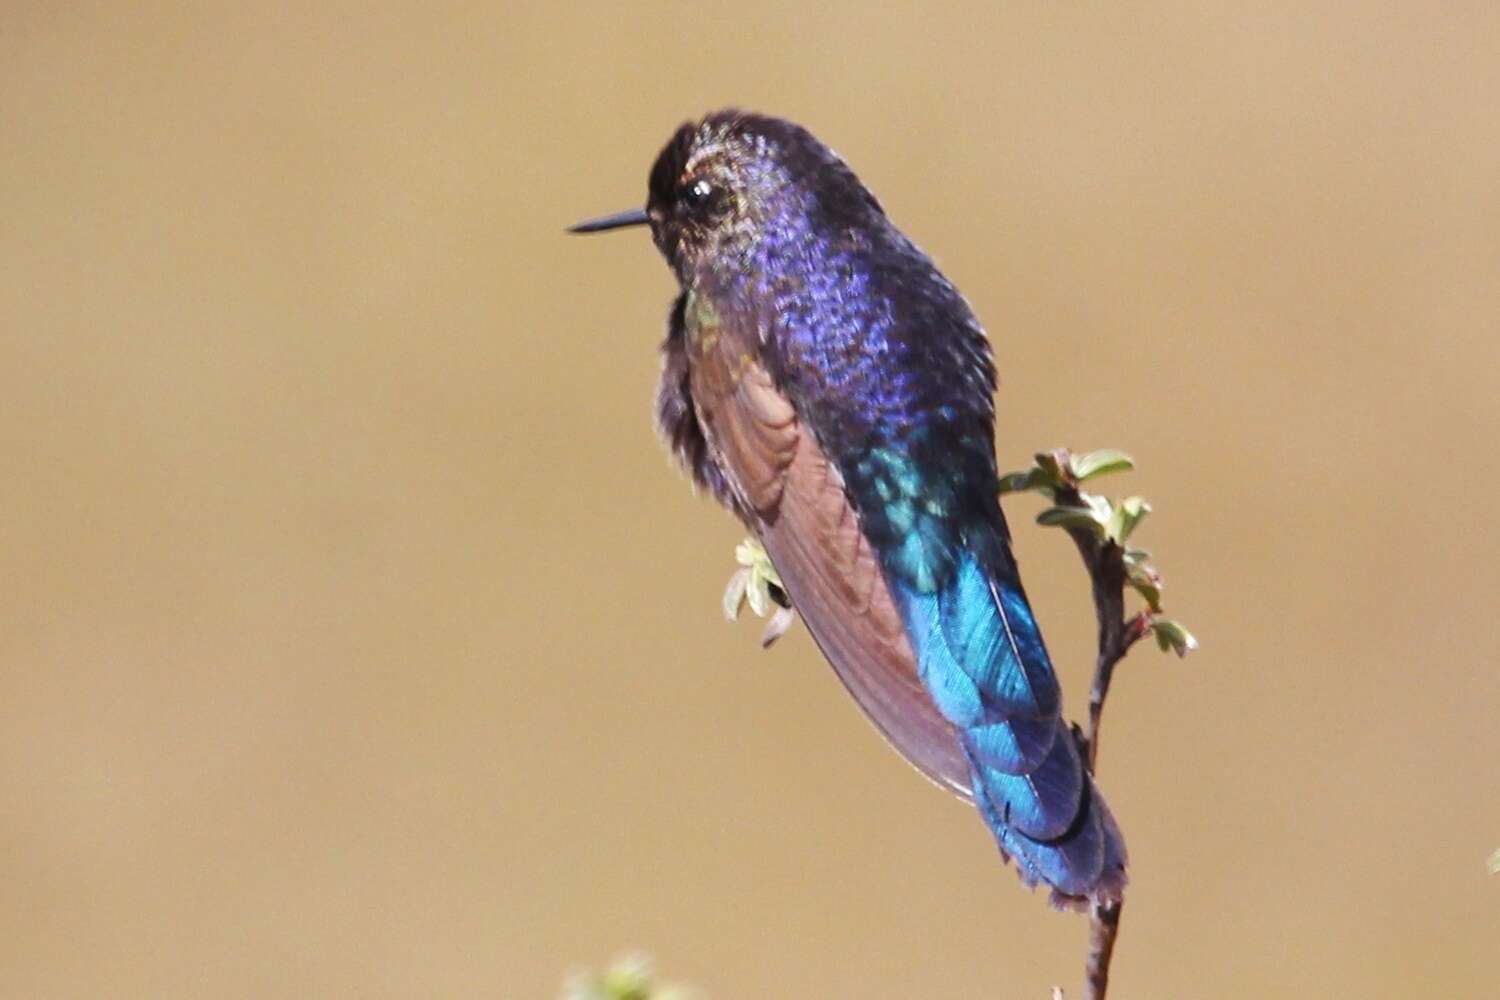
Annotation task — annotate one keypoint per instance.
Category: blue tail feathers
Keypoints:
(980, 654)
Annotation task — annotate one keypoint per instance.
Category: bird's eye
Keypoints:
(698, 193)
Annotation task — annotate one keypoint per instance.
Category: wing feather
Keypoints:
(804, 519)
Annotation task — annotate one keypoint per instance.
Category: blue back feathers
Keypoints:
(981, 657)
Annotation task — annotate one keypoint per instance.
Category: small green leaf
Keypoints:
(627, 982)
(1151, 595)
(734, 593)
(1172, 635)
(630, 977)
(1145, 581)
(1101, 463)
(1054, 463)
(749, 552)
(1071, 517)
(758, 596)
(1103, 510)
(1135, 557)
(783, 619)
(1019, 482)
(1126, 516)
(1495, 863)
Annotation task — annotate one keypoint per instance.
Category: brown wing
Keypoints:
(798, 507)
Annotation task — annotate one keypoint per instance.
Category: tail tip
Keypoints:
(1110, 889)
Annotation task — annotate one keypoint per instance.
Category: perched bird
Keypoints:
(826, 383)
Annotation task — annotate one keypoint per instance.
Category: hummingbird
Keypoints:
(827, 384)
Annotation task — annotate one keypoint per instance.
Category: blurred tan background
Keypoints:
(357, 639)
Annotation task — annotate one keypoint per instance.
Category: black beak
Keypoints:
(632, 217)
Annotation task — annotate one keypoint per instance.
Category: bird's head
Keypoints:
(733, 183)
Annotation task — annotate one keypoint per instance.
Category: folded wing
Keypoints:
(797, 505)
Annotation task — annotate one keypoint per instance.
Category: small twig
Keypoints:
(1104, 560)
(1101, 529)
(1104, 925)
